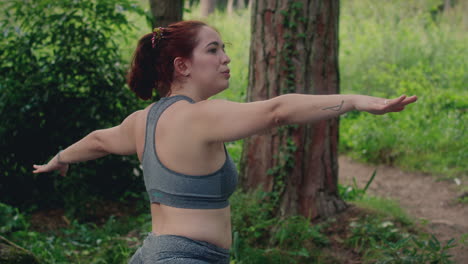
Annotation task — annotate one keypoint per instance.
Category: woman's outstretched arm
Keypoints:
(302, 109)
(220, 120)
(115, 140)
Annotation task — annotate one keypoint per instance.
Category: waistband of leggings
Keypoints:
(200, 242)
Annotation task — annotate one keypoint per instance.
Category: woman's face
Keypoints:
(209, 65)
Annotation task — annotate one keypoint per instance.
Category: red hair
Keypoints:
(153, 68)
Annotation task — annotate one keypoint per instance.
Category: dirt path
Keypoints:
(419, 195)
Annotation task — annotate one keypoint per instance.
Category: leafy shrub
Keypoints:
(383, 241)
(372, 232)
(252, 216)
(85, 243)
(11, 219)
(413, 139)
(384, 207)
(293, 232)
(351, 193)
(417, 250)
(61, 77)
(260, 237)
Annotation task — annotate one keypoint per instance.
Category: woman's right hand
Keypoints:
(380, 106)
(52, 165)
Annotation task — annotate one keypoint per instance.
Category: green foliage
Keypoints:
(291, 240)
(83, 243)
(61, 77)
(11, 219)
(252, 216)
(293, 231)
(371, 232)
(351, 193)
(398, 47)
(384, 242)
(259, 237)
(463, 199)
(417, 250)
(384, 237)
(385, 208)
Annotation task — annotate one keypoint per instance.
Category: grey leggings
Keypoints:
(178, 249)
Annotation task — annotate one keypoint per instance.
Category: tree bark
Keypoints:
(230, 7)
(207, 7)
(294, 49)
(240, 4)
(166, 12)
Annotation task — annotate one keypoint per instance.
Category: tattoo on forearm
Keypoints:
(335, 108)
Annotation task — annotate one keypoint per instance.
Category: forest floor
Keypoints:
(420, 195)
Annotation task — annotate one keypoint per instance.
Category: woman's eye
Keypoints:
(212, 50)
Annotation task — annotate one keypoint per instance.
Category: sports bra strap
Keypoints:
(153, 117)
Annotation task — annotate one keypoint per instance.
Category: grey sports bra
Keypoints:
(175, 189)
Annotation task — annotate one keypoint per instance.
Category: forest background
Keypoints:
(386, 49)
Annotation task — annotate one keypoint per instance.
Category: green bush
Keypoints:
(61, 77)
(417, 250)
(372, 232)
(252, 216)
(11, 219)
(294, 231)
(382, 241)
(260, 237)
(112, 242)
(85, 243)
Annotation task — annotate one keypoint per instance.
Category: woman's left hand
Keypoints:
(380, 106)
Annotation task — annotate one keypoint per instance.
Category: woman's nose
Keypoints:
(226, 59)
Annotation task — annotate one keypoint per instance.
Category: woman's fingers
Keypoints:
(37, 168)
(410, 100)
(40, 170)
(46, 168)
(400, 102)
(380, 106)
(396, 101)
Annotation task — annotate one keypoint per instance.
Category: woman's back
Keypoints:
(183, 153)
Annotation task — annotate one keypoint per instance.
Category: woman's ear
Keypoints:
(182, 66)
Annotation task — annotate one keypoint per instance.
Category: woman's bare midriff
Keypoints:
(210, 225)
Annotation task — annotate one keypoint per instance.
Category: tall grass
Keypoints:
(388, 48)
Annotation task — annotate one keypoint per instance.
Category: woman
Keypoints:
(180, 139)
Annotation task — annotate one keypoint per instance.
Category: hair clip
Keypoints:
(157, 36)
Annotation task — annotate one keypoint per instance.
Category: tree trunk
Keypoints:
(230, 7)
(294, 49)
(166, 12)
(447, 4)
(207, 7)
(240, 4)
